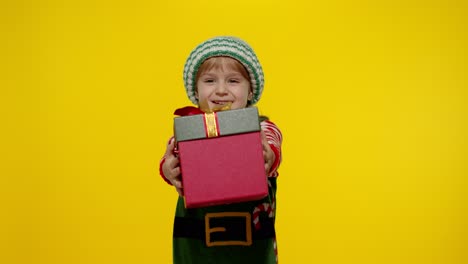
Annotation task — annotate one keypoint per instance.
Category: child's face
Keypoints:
(223, 85)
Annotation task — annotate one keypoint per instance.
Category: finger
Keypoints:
(172, 162)
(180, 191)
(176, 171)
(177, 183)
(178, 186)
(267, 168)
(263, 136)
(265, 143)
(170, 148)
(264, 146)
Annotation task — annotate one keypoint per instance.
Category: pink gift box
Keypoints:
(224, 168)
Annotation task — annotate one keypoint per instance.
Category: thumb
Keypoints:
(264, 139)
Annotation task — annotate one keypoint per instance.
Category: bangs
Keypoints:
(223, 64)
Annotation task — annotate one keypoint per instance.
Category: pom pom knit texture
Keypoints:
(229, 47)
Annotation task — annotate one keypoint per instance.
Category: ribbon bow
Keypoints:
(210, 117)
(192, 110)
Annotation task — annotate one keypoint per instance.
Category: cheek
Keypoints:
(246, 92)
(201, 90)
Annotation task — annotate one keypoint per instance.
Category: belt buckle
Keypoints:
(209, 230)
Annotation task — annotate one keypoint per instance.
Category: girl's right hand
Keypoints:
(171, 168)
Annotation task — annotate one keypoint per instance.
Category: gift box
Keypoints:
(221, 157)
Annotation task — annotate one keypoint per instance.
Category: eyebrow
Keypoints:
(235, 75)
(206, 73)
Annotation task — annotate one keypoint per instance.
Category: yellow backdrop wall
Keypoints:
(371, 97)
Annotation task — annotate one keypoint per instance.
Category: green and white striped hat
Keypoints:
(224, 46)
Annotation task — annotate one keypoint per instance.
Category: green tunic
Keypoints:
(235, 233)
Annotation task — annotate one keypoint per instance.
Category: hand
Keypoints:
(268, 154)
(171, 168)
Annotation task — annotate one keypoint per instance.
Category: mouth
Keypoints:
(221, 102)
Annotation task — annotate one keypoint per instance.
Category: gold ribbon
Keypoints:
(210, 119)
(211, 127)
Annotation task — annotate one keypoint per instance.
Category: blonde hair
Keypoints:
(222, 63)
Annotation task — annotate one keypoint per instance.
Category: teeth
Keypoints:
(221, 102)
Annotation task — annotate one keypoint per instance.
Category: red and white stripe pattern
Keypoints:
(263, 207)
(275, 248)
(274, 138)
(270, 210)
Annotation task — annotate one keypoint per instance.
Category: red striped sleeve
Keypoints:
(274, 138)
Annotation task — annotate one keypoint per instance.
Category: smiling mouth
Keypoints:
(221, 102)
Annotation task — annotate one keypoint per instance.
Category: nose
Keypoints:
(221, 89)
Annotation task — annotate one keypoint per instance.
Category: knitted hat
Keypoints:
(224, 46)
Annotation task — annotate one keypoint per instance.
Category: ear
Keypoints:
(249, 97)
(196, 94)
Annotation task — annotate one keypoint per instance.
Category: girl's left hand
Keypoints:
(268, 154)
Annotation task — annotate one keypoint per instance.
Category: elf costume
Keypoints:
(239, 232)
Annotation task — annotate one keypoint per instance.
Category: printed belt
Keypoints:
(224, 229)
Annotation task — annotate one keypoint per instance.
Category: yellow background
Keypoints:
(371, 97)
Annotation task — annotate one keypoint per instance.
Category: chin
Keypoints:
(238, 106)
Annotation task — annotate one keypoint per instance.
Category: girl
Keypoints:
(225, 71)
